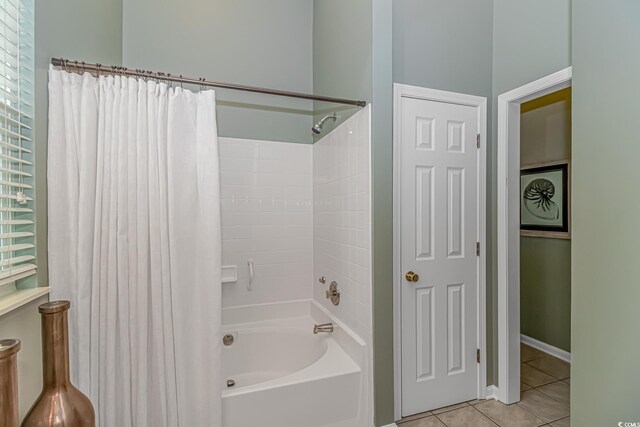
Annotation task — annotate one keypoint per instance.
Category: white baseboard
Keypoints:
(546, 348)
(492, 392)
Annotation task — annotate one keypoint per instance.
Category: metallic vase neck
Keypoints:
(55, 343)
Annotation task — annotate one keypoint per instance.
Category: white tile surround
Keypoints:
(300, 212)
(266, 191)
(342, 221)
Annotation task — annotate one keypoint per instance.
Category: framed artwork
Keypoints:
(544, 201)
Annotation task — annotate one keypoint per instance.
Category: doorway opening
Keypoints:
(534, 261)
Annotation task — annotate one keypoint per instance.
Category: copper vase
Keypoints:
(60, 404)
(9, 383)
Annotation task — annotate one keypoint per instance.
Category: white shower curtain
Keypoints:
(135, 245)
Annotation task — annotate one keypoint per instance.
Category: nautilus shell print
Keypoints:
(538, 201)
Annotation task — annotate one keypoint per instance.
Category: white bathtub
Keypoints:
(285, 376)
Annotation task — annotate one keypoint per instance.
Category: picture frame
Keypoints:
(545, 200)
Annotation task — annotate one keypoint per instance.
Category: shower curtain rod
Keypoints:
(123, 71)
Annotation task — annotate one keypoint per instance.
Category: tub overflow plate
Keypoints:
(228, 340)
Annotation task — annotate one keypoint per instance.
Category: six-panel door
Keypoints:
(439, 226)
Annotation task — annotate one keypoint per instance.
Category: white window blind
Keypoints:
(17, 230)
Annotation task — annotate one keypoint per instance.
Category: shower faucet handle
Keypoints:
(322, 280)
(333, 293)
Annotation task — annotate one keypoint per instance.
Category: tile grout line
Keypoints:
(551, 397)
(468, 405)
(537, 416)
(487, 417)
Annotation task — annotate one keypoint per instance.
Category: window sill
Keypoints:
(19, 298)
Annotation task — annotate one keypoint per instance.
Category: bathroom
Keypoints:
(240, 264)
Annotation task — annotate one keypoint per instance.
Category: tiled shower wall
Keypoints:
(342, 221)
(267, 215)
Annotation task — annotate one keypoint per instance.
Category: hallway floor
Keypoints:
(544, 400)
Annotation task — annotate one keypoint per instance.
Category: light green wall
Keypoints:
(605, 338)
(252, 42)
(24, 324)
(72, 29)
(443, 44)
(545, 290)
(382, 137)
(545, 264)
(342, 55)
(446, 45)
(531, 39)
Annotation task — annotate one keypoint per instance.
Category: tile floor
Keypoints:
(544, 400)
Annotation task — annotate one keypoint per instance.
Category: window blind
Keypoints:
(17, 229)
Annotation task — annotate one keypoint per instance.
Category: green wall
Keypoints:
(605, 338)
(545, 290)
(447, 45)
(483, 48)
(545, 264)
(71, 29)
(531, 39)
(252, 42)
(24, 324)
(342, 56)
(382, 181)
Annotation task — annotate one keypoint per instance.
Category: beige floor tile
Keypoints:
(524, 386)
(429, 421)
(414, 417)
(543, 406)
(565, 422)
(475, 402)
(465, 417)
(534, 377)
(552, 366)
(449, 408)
(529, 353)
(558, 390)
(568, 381)
(508, 415)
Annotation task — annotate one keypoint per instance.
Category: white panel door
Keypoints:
(439, 226)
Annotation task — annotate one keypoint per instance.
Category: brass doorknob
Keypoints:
(411, 276)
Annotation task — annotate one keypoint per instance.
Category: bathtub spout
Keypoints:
(325, 327)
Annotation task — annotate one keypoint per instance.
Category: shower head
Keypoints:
(317, 128)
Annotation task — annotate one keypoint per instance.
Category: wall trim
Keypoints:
(391, 425)
(546, 348)
(480, 103)
(508, 232)
(492, 392)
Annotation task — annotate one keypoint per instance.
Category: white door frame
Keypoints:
(400, 91)
(509, 227)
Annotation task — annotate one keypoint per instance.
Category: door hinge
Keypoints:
(478, 355)
(477, 248)
(478, 141)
